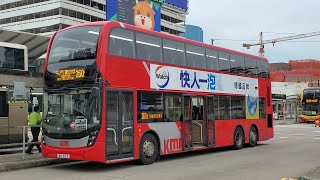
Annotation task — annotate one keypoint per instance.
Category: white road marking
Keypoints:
(283, 137)
(299, 138)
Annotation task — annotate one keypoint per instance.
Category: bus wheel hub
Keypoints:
(148, 148)
(253, 136)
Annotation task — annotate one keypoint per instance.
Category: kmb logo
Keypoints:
(64, 143)
(172, 145)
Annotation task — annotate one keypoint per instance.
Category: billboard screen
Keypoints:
(142, 13)
(183, 4)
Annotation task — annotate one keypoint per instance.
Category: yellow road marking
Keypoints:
(288, 179)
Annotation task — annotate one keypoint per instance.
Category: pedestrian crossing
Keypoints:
(297, 132)
(297, 136)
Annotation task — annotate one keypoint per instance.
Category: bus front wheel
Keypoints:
(148, 149)
(238, 138)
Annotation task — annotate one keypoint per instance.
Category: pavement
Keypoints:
(314, 174)
(15, 161)
(12, 158)
(285, 122)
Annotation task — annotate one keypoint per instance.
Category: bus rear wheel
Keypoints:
(149, 149)
(238, 138)
(253, 137)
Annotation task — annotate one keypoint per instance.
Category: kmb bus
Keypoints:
(115, 92)
(310, 105)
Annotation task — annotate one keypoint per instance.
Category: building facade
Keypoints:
(173, 19)
(48, 16)
(297, 71)
(193, 32)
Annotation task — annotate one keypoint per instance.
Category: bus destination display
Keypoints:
(70, 74)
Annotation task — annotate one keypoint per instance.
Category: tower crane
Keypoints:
(273, 41)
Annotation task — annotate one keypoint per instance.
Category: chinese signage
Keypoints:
(312, 100)
(70, 74)
(171, 78)
(142, 13)
(166, 77)
(150, 115)
(279, 96)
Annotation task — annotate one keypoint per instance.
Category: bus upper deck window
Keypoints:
(237, 64)
(148, 47)
(173, 52)
(251, 66)
(224, 61)
(121, 43)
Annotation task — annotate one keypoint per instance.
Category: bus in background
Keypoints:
(310, 105)
(115, 93)
(13, 58)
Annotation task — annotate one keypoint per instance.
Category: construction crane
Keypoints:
(273, 41)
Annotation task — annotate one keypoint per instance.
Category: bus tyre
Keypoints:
(238, 138)
(149, 149)
(253, 137)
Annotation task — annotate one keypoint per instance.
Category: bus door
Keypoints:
(187, 122)
(119, 129)
(210, 122)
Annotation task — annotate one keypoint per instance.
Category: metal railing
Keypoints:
(201, 135)
(24, 144)
(115, 134)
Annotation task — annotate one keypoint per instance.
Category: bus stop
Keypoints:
(20, 89)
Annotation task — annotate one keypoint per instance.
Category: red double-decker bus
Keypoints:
(115, 93)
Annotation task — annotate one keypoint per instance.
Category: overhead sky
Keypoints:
(234, 20)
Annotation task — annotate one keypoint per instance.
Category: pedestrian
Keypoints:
(34, 121)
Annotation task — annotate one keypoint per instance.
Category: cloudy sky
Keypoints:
(234, 20)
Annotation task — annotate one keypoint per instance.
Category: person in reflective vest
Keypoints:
(34, 121)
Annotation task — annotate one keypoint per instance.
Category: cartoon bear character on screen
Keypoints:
(144, 15)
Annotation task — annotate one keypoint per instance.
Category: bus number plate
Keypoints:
(63, 156)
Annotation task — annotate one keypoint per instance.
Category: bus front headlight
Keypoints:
(92, 138)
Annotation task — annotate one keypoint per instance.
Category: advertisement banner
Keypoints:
(142, 13)
(172, 78)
